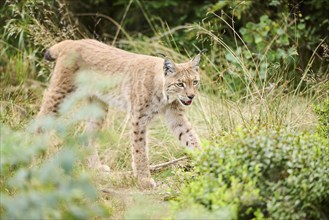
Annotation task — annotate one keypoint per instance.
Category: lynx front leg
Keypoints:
(181, 127)
(140, 160)
(92, 125)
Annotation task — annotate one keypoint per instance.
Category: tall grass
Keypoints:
(224, 103)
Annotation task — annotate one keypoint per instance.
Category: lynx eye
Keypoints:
(195, 82)
(180, 85)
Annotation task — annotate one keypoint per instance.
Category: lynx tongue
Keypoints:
(187, 102)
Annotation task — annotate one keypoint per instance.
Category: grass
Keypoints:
(212, 114)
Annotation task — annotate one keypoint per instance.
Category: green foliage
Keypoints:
(27, 26)
(255, 44)
(275, 35)
(40, 180)
(261, 173)
(323, 114)
(322, 110)
(49, 188)
(137, 16)
(270, 42)
(25, 32)
(258, 50)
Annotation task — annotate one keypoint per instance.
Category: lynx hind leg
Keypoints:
(61, 84)
(92, 125)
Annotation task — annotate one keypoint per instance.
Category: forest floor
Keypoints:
(209, 114)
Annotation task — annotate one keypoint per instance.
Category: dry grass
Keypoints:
(210, 114)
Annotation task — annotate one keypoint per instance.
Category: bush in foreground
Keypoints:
(36, 188)
(260, 173)
(322, 111)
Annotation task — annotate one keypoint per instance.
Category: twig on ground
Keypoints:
(124, 192)
(166, 164)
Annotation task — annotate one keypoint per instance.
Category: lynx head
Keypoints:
(181, 80)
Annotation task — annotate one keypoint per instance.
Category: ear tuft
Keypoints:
(168, 67)
(196, 60)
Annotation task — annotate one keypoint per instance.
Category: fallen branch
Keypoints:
(125, 192)
(166, 164)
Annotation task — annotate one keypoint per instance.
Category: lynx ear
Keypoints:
(168, 67)
(196, 60)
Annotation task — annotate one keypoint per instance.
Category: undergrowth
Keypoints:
(259, 173)
(256, 75)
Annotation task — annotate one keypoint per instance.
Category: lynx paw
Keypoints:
(146, 183)
(103, 168)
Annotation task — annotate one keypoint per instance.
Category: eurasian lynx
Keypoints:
(148, 86)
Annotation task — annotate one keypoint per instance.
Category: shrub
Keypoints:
(261, 173)
(322, 110)
(36, 188)
(40, 180)
(323, 115)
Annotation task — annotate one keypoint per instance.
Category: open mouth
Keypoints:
(189, 102)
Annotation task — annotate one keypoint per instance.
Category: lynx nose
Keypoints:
(191, 96)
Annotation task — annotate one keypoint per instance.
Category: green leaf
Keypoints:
(280, 31)
(301, 26)
(258, 39)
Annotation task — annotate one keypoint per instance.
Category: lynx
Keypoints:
(149, 86)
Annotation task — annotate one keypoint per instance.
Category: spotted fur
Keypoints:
(148, 86)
